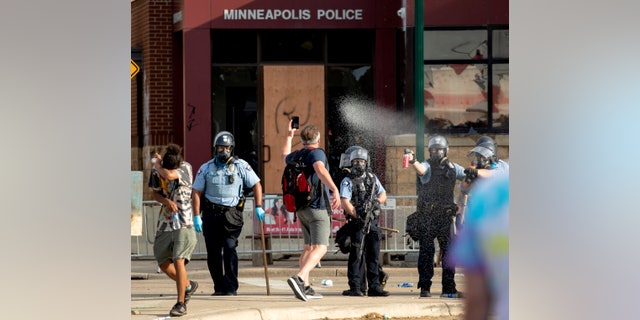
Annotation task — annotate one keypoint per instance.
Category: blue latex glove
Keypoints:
(260, 214)
(197, 223)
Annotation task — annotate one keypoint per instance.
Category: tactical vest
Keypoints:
(362, 187)
(224, 182)
(438, 191)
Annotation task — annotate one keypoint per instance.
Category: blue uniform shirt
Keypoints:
(346, 187)
(222, 183)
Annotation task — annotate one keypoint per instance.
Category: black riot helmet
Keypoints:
(485, 152)
(436, 143)
(359, 159)
(345, 158)
(225, 139)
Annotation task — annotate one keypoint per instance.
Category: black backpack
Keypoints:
(297, 191)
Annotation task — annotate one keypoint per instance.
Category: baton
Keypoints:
(264, 257)
(381, 228)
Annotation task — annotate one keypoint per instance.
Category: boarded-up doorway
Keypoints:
(288, 91)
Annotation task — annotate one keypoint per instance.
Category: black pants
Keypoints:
(222, 257)
(368, 266)
(438, 226)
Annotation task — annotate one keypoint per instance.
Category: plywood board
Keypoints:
(289, 91)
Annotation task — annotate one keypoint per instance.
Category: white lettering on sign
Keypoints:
(266, 14)
(340, 14)
(292, 14)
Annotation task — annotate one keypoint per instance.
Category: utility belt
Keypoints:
(214, 207)
(233, 216)
(434, 208)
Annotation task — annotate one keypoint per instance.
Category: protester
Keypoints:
(436, 209)
(218, 194)
(175, 240)
(482, 249)
(361, 195)
(315, 219)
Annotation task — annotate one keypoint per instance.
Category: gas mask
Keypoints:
(436, 155)
(482, 162)
(223, 155)
(357, 169)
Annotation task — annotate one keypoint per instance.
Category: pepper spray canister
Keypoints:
(405, 158)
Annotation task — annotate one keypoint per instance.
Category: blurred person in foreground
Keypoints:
(315, 219)
(171, 183)
(482, 250)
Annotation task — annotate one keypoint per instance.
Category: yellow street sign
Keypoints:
(134, 69)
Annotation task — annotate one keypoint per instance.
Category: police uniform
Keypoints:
(435, 203)
(222, 185)
(358, 190)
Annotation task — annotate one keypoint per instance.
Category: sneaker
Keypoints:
(297, 285)
(311, 294)
(179, 309)
(377, 293)
(454, 295)
(188, 293)
(353, 293)
(424, 293)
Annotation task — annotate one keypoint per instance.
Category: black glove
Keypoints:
(472, 174)
(358, 223)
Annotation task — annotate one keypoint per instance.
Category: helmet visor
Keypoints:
(345, 161)
(481, 151)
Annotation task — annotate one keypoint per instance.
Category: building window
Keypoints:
(466, 80)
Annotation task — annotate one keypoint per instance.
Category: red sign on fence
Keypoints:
(278, 221)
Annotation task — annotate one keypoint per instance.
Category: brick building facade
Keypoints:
(201, 71)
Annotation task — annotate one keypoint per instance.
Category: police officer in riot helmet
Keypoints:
(361, 194)
(436, 209)
(218, 195)
(484, 165)
(484, 161)
(345, 166)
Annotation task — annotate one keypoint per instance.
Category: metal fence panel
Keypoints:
(282, 235)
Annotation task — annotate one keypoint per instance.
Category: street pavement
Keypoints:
(153, 294)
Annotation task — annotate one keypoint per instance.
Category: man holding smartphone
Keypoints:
(315, 219)
(295, 122)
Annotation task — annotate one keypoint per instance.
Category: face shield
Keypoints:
(480, 156)
(345, 161)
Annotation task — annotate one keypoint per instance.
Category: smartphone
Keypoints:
(295, 123)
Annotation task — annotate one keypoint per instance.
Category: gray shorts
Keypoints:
(316, 226)
(176, 244)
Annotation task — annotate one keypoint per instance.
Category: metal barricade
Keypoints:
(282, 235)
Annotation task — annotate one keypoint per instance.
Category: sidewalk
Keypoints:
(153, 294)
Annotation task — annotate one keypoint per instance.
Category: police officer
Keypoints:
(485, 161)
(345, 169)
(438, 177)
(221, 180)
(484, 164)
(361, 194)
